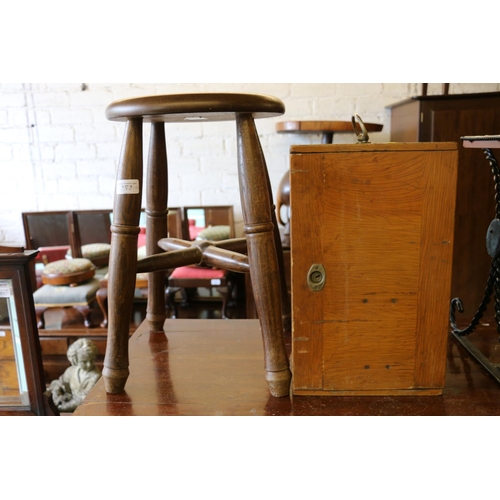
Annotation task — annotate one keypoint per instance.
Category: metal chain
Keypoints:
(493, 282)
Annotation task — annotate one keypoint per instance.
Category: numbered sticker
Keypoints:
(127, 186)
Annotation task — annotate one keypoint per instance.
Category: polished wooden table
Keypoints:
(215, 367)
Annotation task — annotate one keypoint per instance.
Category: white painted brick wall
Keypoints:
(58, 151)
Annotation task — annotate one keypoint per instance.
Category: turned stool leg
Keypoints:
(123, 258)
(286, 306)
(262, 255)
(156, 229)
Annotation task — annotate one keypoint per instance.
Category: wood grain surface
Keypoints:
(384, 237)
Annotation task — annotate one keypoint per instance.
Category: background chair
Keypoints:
(47, 232)
(211, 223)
(90, 235)
(64, 277)
(198, 218)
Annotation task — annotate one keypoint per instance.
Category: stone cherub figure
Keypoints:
(71, 388)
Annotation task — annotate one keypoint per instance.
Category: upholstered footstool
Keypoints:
(79, 297)
(67, 283)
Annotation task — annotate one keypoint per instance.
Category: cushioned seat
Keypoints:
(67, 272)
(98, 253)
(80, 297)
(47, 255)
(214, 233)
(198, 277)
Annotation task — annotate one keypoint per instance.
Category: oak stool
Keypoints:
(258, 253)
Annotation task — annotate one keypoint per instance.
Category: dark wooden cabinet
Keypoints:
(447, 118)
(22, 382)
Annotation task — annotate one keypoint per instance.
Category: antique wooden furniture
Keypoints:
(210, 223)
(371, 270)
(46, 229)
(90, 235)
(22, 383)
(262, 237)
(193, 277)
(47, 232)
(72, 244)
(198, 218)
(69, 229)
(67, 283)
(436, 118)
(163, 367)
(67, 234)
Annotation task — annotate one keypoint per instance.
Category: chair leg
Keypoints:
(40, 317)
(102, 300)
(85, 312)
(262, 254)
(170, 299)
(224, 292)
(123, 258)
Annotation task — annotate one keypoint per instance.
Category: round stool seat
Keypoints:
(68, 272)
(194, 107)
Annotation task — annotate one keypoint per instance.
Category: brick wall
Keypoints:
(57, 150)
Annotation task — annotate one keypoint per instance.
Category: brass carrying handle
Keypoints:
(363, 137)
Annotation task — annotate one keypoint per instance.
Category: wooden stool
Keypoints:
(262, 242)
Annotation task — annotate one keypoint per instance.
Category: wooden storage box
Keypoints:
(379, 218)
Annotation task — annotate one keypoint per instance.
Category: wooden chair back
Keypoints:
(88, 226)
(45, 229)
